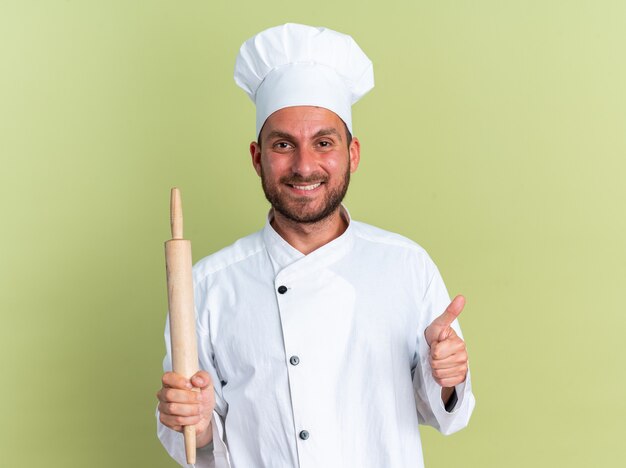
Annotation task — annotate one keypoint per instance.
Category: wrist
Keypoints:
(205, 437)
(449, 398)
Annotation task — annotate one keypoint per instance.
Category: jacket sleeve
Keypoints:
(215, 454)
(430, 408)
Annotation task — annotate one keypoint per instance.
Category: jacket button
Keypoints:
(304, 435)
(282, 289)
(294, 360)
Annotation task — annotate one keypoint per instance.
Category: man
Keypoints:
(323, 341)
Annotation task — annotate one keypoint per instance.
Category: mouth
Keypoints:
(306, 188)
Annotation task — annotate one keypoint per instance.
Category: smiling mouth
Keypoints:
(306, 187)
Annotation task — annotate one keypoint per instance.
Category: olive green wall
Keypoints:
(495, 137)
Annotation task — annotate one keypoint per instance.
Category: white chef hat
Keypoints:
(298, 65)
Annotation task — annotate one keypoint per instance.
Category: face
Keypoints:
(305, 162)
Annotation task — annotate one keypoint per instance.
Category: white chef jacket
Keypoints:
(319, 360)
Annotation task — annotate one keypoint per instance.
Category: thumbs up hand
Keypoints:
(448, 356)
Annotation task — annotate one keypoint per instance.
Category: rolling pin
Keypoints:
(181, 308)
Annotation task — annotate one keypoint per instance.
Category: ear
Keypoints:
(355, 154)
(255, 154)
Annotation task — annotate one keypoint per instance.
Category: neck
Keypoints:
(307, 237)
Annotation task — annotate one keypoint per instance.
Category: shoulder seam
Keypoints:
(230, 264)
(394, 239)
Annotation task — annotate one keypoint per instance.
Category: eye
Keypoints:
(282, 145)
(325, 144)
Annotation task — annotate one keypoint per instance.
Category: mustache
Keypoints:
(299, 180)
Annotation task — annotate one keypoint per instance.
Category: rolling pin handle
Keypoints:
(176, 214)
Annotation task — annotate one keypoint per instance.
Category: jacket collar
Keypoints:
(286, 258)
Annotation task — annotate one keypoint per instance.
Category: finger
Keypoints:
(446, 348)
(201, 379)
(446, 334)
(452, 362)
(174, 395)
(451, 313)
(174, 380)
(441, 374)
(452, 381)
(172, 421)
(167, 421)
(179, 409)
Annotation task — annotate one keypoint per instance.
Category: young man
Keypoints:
(323, 341)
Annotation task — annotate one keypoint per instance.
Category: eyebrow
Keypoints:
(279, 134)
(319, 133)
(328, 131)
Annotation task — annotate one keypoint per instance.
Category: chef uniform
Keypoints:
(318, 360)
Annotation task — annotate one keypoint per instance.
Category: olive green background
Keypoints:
(495, 137)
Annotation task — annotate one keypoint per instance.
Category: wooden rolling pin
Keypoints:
(181, 308)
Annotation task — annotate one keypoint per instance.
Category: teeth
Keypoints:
(307, 187)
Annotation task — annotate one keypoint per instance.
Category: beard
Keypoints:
(295, 208)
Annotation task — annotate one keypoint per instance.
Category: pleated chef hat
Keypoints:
(298, 65)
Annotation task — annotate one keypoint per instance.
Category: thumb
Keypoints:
(201, 379)
(451, 313)
(438, 330)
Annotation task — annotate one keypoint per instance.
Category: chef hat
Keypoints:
(298, 65)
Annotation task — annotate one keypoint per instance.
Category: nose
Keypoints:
(304, 162)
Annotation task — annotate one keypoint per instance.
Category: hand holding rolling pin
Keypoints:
(188, 402)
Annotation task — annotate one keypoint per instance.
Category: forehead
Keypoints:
(302, 121)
